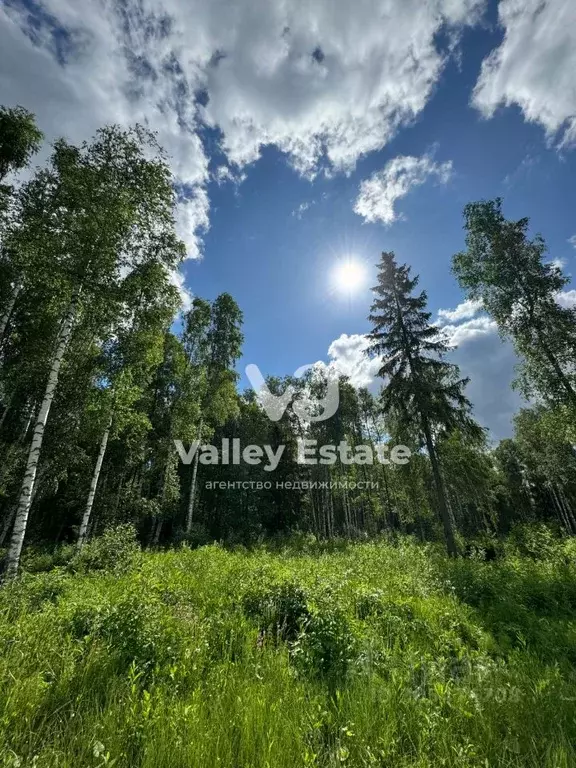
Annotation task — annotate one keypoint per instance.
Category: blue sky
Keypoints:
(307, 133)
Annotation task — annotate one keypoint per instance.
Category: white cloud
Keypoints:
(558, 263)
(462, 333)
(177, 280)
(489, 363)
(80, 67)
(325, 82)
(191, 220)
(534, 66)
(348, 358)
(379, 193)
(302, 208)
(321, 81)
(463, 311)
(324, 77)
(572, 241)
(566, 299)
(224, 174)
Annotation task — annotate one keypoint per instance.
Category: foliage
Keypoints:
(507, 271)
(117, 549)
(399, 656)
(19, 139)
(424, 393)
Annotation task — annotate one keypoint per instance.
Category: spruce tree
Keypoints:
(423, 391)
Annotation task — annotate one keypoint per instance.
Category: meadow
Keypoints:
(382, 653)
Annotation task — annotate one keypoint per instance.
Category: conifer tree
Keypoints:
(422, 389)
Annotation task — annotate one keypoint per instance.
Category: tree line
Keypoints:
(102, 369)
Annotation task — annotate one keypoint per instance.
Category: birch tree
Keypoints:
(95, 212)
(508, 271)
(213, 342)
(20, 138)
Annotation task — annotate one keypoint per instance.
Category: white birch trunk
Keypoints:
(28, 484)
(192, 496)
(93, 485)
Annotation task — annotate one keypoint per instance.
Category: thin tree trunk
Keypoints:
(8, 311)
(559, 509)
(93, 485)
(7, 524)
(330, 502)
(315, 516)
(27, 425)
(157, 532)
(28, 484)
(119, 492)
(192, 496)
(445, 514)
(388, 521)
(568, 510)
(6, 410)
(557, 368)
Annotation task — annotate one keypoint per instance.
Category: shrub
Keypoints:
(280, 609)
(116, 550)
(38, 560)
(536, 540)
(326, 645)
(198, 536)
(34, 561)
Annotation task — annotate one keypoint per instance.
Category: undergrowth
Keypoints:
(371, 654)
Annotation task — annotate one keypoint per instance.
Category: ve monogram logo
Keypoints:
(306, 409)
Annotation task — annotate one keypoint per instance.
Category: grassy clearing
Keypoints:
(367, 655)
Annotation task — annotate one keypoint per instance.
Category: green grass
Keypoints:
(366, 655)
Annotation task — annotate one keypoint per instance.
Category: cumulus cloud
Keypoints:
(379, 193)
(566, 299)
(534, 66)
(463, 311)
(489, 363)
(460, 333)
(79, 67)
(572, 241)
(558, 263)
(224, 174)
(324, 82)
(348, 358)
(323, 79)
(177, 280)
(192, 219)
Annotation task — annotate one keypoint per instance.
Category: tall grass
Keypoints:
(368, 655)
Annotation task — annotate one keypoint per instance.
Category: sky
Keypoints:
(304, 134)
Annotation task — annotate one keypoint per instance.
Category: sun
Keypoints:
(349, 276)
